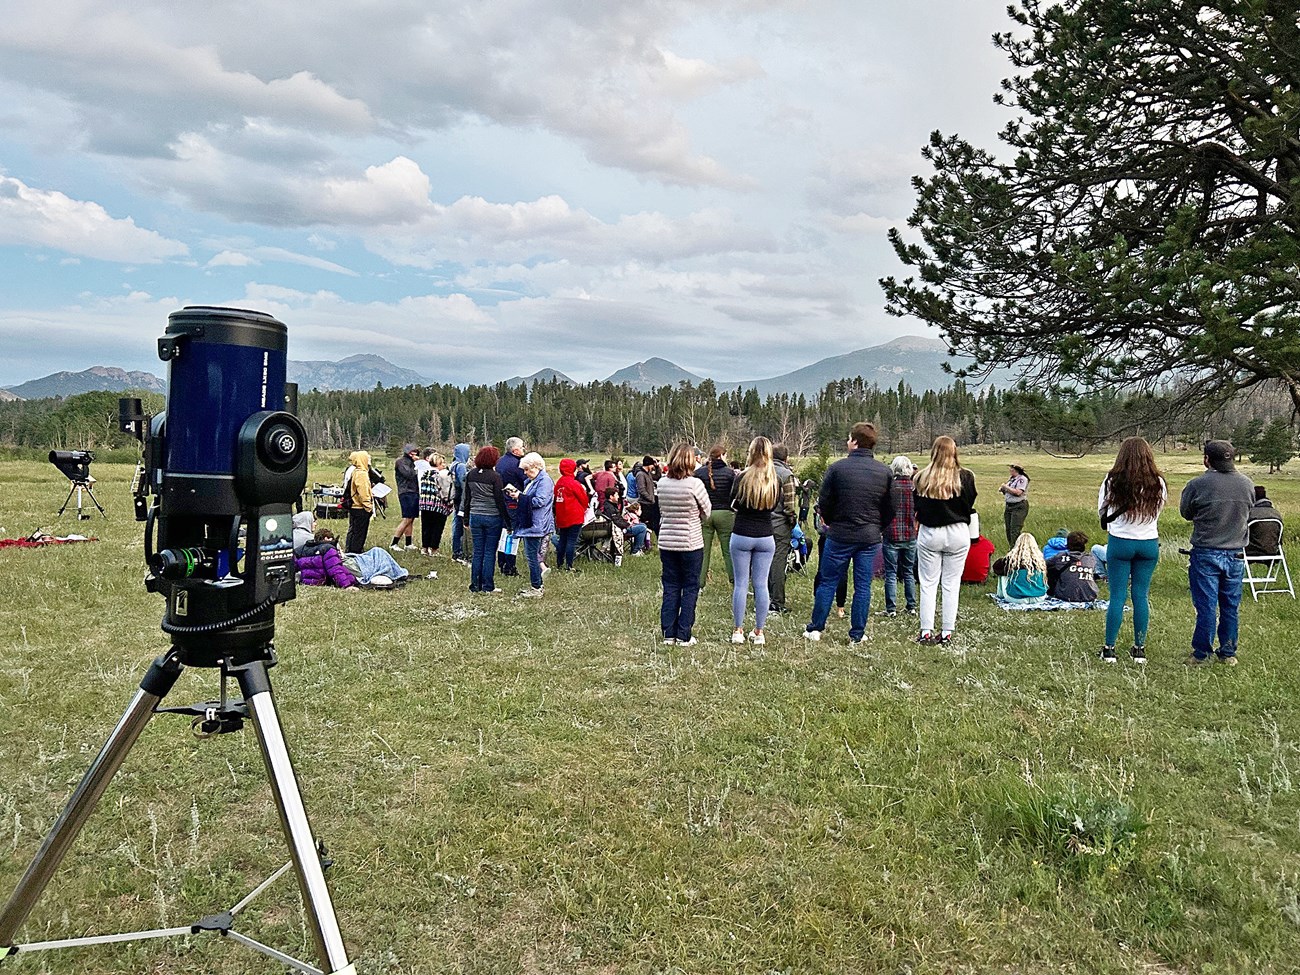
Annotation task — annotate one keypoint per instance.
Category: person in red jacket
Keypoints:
(571, 501)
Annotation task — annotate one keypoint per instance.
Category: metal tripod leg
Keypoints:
(256, 687)
(67, 499)
(159, 679)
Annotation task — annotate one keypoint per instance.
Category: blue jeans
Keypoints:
(1214, 575)
(457, 536)
(681, 580)
(834, 566)
(751, 559)
(567, 547)
(638, 533)
(485, 530)
(533, 550)
(900, 559)
(1130, 559)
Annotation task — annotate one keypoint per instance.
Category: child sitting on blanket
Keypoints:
(1022, 572)
(1071, 576)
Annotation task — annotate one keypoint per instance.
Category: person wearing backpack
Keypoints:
(461, 543)
(436, 499)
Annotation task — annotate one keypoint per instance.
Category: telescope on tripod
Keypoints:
(221, 469)
(75, 466)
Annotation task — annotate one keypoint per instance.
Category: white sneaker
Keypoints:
(412, 548)
(531, 593)
(397, 548)
(687, 643)
(738, 636)
(758, 639)
(814, 635)
(670, 641)
(545, 571)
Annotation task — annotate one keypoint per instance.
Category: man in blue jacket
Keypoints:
(855, 506)
(511, 476)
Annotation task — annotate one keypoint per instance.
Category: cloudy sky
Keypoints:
(473, 188)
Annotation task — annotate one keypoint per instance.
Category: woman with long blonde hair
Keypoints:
(945, 500)
(755, 495)
(1022, 572)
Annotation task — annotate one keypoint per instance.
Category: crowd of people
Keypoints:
(917, 527)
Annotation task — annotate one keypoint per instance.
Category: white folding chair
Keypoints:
(1266, 572)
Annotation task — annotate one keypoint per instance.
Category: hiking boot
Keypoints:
(1192, 660)
(1139, 654)
(814, 635)
(1108, 655)
(1228, 660)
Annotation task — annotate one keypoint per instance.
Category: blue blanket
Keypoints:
(1047, 604)
(378, 562)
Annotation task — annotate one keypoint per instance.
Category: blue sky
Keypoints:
(474, 190)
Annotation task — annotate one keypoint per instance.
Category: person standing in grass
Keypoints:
(784, 519)
(408, 496)
(1016, 494)
(1129, 503)
(855, 507)
(535, 517)
(1218, 504)
(647, 482)
(755, 498)
(360, 502)
(683, 506)
(718, 479)
(571, 500)
(484, 508)
(900, 539)
(945, 501)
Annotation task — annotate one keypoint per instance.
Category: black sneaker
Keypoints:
(1139, 654)
(926, 639)
(945, 640)
(1108, 655)
(888, 614)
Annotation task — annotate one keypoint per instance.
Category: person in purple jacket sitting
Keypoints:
(321, 565)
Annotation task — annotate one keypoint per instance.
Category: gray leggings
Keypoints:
(752, 560)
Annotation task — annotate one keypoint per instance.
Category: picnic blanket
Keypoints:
(1046, 604)
(41, 539)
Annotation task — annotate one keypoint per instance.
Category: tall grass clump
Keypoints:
(1082, 834)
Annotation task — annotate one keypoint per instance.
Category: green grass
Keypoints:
(520, 786)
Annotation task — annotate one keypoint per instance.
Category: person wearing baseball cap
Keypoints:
(1217, 504)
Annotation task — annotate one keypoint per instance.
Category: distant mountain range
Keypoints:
(914, 360)
(87, 381)
(354, 372)
(540, 376)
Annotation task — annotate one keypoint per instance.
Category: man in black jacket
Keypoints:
(408, 496)
(855, 507)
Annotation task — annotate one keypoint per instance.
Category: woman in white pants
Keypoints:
(945, 500)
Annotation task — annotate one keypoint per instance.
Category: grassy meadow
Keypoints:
(520, 786)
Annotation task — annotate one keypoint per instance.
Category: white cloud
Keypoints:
(230, 259)
(48, 218)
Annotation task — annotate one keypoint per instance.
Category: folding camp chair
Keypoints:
(1266, 567)
(596, 541)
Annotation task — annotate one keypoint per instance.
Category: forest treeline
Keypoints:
(602, 419)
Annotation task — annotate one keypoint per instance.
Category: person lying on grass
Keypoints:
(321, 565)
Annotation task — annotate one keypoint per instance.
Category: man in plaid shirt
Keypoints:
(900, 540)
